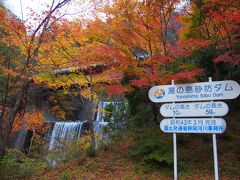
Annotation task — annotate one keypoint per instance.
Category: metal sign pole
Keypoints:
(175, 155)
(175, 150)
(202, 91)
(215, 156)
(214, 139)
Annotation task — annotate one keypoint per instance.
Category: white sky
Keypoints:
(21, 8)
(15, 6)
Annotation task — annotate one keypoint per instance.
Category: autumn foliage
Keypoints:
(134, 45)
(217, 22)
(30, 121)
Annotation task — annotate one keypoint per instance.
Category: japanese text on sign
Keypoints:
(197, 125)
(194, 109)
(195, 91)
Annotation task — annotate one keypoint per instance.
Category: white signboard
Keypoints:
(215, 90)
(193, 125)
(194, 109)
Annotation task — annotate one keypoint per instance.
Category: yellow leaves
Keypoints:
(9, 72)
(85, 142)
(186, 67)
(15, 31)
(84, 52)
(30, 120)
(45, 78)
(58, 112)
(85, 93)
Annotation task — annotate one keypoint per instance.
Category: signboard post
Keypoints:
(175, 149)
(214, 138)
(204, 91)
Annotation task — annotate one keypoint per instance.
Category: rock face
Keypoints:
(17, 138)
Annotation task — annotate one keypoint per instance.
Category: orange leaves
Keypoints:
(110, 76)
(9, 72)
(30, 120)
(102, 50)
(187, 47)
(223, 11)
(116, 75)
(2, 58)
(14, 29)
(224, 17)
(157, 60)
(96, 31)
(186, 75)
(93, 57)
(117, 89)
(142, 82)
(97, 53)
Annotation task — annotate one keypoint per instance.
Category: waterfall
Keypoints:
(100, 111)
(98, 126)
(99, 123)
(65, 131)
(98, 130)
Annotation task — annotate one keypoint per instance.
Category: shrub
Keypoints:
(75, 150)
(16, 165)
(66, 175)
(150, 144)
(117, 118)
(9, 166)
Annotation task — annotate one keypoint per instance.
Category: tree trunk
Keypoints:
(6, 131)
(31, 142)
(93, 140)
(91, 118)
(30, 60)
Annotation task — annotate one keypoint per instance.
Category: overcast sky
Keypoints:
(15, 6)
(21, 8)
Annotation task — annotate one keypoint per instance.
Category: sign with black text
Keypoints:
(202, 91)
(194, 109)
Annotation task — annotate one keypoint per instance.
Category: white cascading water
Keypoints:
(72, 130)
(100, 111)
(65, 131)
(98, 129)
(99, 123)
